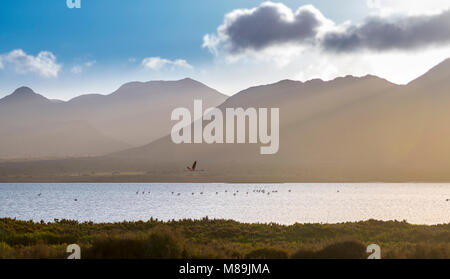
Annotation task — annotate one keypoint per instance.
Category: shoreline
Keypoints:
(183, 179)
(56, 220)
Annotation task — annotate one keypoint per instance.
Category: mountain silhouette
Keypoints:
(347, 129)
(94, 124)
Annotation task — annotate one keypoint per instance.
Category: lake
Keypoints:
(418, 203)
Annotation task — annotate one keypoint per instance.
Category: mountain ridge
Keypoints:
(24, 94)
(347, 129)
(129, 115)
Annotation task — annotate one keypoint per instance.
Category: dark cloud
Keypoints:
(269, 25)
(380, 34)
(273, 24)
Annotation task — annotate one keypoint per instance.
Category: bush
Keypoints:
(40, 250)
(159, 244)
(165, 244)
(267, 253)
(223, 239)
(4, 250)
(339, 250)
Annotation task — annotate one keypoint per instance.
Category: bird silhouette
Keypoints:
(193, 166)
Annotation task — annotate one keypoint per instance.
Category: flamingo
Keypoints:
(193, 166)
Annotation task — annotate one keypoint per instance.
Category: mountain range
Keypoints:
(34, 127)
(346, 129)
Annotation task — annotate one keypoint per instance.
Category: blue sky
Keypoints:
(104, 44)
(113, 30)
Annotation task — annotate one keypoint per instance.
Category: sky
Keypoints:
(228, 45)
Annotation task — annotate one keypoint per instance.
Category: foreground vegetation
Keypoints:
(221, 239)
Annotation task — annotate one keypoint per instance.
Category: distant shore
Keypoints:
(176, 178)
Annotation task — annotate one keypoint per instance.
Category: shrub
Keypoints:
(159, 244)
(40, 250)
(267, 253)
(4, 250)
(339, 250)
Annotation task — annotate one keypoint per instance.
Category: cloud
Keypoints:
(90, 63)
(44, 64)
(274, 26)
(157, 63)
(384, 34)
(78, 69)
(407, 7)
(410, 43)
(264, 26)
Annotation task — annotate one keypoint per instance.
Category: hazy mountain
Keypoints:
(347, 129)
(138, 113)
(33, 126)
(24, 96)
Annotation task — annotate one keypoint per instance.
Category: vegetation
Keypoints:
(221, 239)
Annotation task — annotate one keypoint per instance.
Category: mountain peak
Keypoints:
(438, 74)
(137, 88)
(24, 90)
(188, 79)
(24, 94)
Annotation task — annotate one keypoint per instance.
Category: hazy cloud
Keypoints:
(267, 25)
(78, 69)
(157, 63)
(90, 63)
(380, 34)
(44, 64)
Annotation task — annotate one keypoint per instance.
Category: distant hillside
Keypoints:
(33, 126)
(347, 129)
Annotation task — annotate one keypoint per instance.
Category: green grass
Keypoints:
(221, 239)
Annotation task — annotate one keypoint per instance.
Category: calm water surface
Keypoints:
(304, 203)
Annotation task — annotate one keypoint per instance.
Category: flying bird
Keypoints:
(193, 166)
